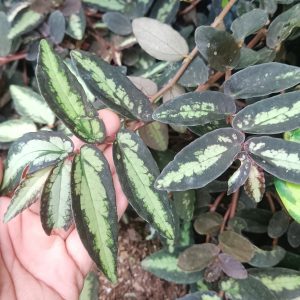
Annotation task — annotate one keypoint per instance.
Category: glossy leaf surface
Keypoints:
(272, 115)
(56, 211)
(262, 80)
(266, 259)
(278, 157)
(201, 161)
(36, 150)
(94, 208)
(112, 87)
(66, 97)
(195, 108)
(137, 172)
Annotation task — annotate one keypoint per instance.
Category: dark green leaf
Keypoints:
(57, 26)
(236, 245)
(163, 264)
(197, 257)
(137, 172)
(195, 108)
(248, 58)
(218, 47)
(155, 135)
(247, 289)
(164, 10)
(282, 26)
(232, 267)
(90, 288)
(257, 219)
(278, 157)
(112, 87)
(25, 99)
(208, 223)
(284, 283)
(184, 203)
(106, 5)
(266, 259)
(26, 21)
(94, 208)
(195, 74)
(66, 97)
(201, 161)
(76, 24)
(117, 23)
(248, 23)
(239, 177)
(56, 211)
(11, 130)
(261, 80)
(5, 42)
(202, 129)
(27, 193)
(278, 224)
(36, 150)
(293, 234)
(255, 183)
(272, 115)
(207, 295)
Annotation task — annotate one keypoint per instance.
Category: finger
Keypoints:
(121, 199)
(111, 121)
(36, 207)
(109, 157)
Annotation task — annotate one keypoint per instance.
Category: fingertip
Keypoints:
(121, 199)
(111, 121)
(109, 157)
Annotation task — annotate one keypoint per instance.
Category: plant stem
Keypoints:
(234, 201)
(7, 59)
(271, 202)
(217, 202)
(190, 7)
(192, 55)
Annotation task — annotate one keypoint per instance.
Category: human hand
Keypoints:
(36, 266)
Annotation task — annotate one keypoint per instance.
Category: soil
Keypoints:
(134, 282)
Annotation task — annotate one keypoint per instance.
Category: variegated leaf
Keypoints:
(239, 177)
(66, 97)
(25, 99)
(255, 183)
(284, 283)
(293, 136)
(94, 208)
(27, 193)
(11, 130)
(37, 151)
(106, 5)
(246, 289)
(265, 259)
(5, 42)
(289, 194)
(164, 10)
(56, 211)
(262, 80)
(195, 108)
(201, 161)
(184, 203)
(164, 264)
(76, 24)
(90, 290)
(278, 157)
(282, 26)
(112, 87)
(137, 172)
(272, 115)
(155, 135)
(25, 22)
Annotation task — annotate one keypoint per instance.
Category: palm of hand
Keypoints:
(36, 266)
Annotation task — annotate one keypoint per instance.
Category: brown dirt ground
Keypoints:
(135, 283)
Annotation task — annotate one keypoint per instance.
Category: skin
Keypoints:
(36, 266)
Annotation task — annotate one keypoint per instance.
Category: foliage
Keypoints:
(213, 92)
